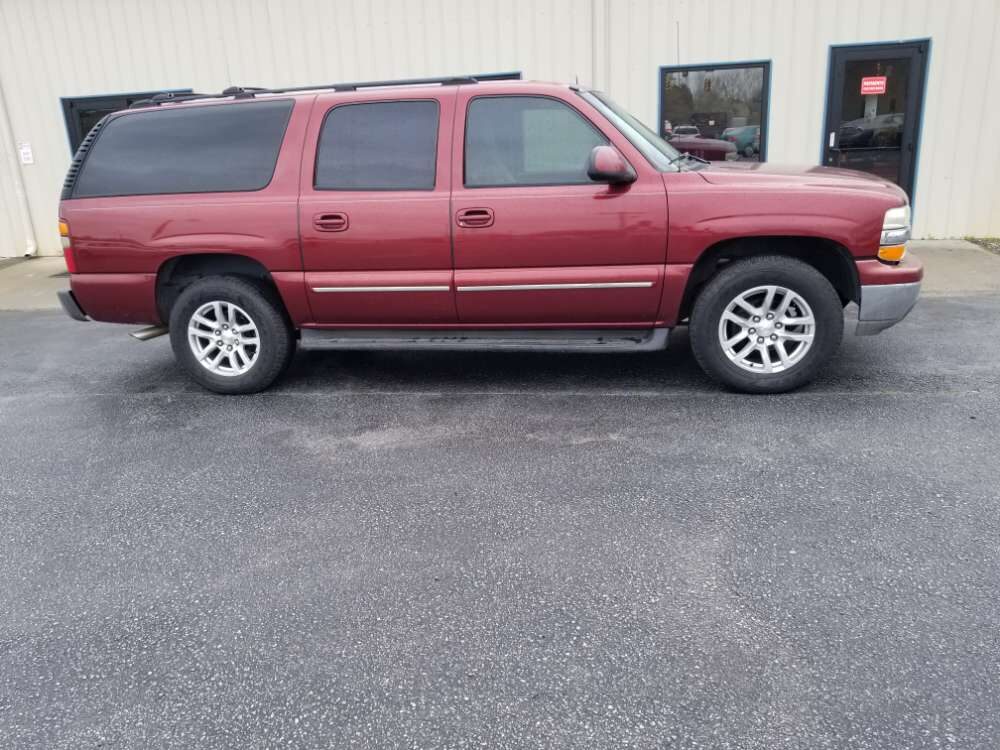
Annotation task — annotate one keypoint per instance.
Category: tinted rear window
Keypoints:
(378, 146)
(186, 149)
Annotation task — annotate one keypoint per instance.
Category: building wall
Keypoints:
(958, 171)
(56, 48)
(13, 238)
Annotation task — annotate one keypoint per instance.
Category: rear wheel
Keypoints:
(766, 324)
(230, 334)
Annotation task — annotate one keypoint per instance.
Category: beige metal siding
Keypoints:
(55, 48)
(17, 236)
(12, 241)
(958, 172)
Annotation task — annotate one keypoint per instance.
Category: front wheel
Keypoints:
(766, 324)
(230, 334)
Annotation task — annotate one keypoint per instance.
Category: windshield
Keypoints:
(660, 154)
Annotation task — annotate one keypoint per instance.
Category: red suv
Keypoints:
(465, 214)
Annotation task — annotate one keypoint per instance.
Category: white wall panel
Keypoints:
(12, 240)
(55, 48)
(958, 178)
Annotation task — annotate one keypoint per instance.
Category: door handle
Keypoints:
(333, 222)
(473, 218)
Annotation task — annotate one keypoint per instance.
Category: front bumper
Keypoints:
(68, 301)
(884, 305)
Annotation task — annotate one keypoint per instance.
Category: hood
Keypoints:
(754, 175)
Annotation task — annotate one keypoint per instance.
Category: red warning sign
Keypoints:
(873, 85)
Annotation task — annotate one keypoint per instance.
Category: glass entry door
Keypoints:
(873, 109)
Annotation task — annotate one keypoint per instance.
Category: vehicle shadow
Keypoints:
(495, 371)
(918, 355)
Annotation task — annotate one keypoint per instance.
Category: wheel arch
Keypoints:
(178, 272)
(828, 257)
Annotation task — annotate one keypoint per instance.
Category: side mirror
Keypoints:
(607, 165)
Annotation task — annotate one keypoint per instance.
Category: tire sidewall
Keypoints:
(744, 275)
(276, 342)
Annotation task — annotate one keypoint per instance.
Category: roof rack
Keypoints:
(248, 92)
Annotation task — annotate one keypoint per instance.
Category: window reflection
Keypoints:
(870, 134)
(717, 113)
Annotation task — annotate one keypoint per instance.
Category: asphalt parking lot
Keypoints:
(457, 550)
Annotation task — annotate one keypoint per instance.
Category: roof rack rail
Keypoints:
(248, 92)
(449, 81)
(166, 96)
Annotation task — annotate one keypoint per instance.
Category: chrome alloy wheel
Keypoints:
(767, 329)
(224, 338)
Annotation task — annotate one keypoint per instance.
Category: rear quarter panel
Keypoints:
(122, 242)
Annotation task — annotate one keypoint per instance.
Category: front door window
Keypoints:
(526, 140)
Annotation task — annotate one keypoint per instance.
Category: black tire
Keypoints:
(277, 339)
(743, 275)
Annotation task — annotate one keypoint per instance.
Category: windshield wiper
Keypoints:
(688, 157)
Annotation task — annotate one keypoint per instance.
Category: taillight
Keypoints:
(66, 246)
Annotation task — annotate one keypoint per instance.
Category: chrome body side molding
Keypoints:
(425, 288)
(549, 287)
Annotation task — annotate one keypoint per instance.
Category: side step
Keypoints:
(603, 340)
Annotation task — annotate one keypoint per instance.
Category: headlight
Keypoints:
(896, 226)
(895, 233)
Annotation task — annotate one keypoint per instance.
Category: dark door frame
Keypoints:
(918, 50)
(70, 104)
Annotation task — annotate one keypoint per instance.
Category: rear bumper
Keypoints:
(70, 305)
(117, 297)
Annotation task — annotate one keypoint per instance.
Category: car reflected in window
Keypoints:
(725, 102)
(687, 130)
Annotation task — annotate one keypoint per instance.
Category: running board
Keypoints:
(603, 340)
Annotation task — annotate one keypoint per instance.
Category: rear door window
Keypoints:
(527, 140)
(378, 146)
(186, 149)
